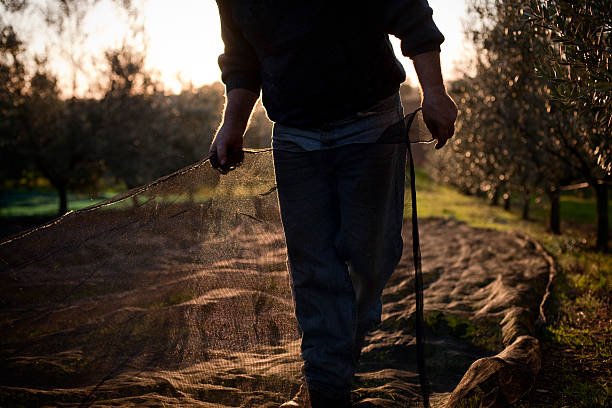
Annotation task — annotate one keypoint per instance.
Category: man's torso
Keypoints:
(320, 61)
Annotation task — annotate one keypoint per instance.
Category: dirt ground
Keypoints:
(175, 332)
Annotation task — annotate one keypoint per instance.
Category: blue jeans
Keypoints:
(341, 210)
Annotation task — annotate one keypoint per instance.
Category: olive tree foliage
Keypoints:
(577, 62)
(129, 128)
(127, 132)
(13, 6)
(191, 119)
(514, 135)
(147, 133)
(40, 132)
(12, 87)
(529, 122)
(61, 25)
(506, 119)
(60, 140)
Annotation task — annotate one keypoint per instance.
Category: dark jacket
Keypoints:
(320, 60)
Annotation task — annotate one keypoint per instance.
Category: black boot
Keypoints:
(322, 400)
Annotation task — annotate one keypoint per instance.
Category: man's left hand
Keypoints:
(439, 114)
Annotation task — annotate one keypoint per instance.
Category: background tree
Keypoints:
(42, 131)
(504, 123)
(56, 138)
(130, 126)
(39, 131)
(513, 136)
(578, 65)
(12, 87)
(147, 133)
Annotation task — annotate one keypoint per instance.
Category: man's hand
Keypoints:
(439, 110)
(226, 148)
(439, 114)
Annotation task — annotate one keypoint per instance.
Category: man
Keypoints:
(330, 83)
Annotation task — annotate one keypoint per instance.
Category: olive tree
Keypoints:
(577, 64)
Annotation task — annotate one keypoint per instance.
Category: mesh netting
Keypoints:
(174, 293)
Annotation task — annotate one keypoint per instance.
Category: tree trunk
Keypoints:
(526, 198)
(507, 202)
(495, 198)
(555, 211)
(601, 192)
(63, 196)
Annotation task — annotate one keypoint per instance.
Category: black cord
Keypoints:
(418, 274)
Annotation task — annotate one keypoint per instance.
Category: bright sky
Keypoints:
(185, 41)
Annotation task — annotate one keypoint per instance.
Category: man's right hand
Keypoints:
(226, 148)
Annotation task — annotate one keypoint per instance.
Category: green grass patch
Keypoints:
(435, 200)
(483, 334)
(584, 342)
(41, 203)
(442, 324)
(573, 209)
(576, 370)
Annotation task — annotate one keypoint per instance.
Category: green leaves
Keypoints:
(580, 41)
(537, 112)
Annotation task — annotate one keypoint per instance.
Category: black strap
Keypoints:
(399, 133)
(418, 274)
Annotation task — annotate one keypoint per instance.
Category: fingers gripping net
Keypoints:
(174, 293)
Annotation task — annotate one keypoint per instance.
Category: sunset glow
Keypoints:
(184, 42)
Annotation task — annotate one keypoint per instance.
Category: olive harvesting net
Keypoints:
(172, 294)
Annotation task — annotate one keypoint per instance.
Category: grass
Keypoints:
(42, 204)
(441, 201)
(575, 209)
(440, 323)
(576, 344)
(24, 209)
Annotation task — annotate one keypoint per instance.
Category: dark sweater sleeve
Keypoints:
(411, 21)
(239, 63)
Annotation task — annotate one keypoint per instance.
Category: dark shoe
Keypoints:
(321, 400)
(300, 400)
